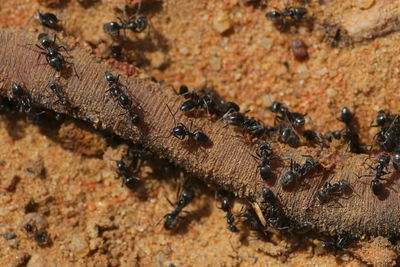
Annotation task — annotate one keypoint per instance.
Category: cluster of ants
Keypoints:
(288, 128)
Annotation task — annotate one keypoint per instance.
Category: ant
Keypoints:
(329, 190)
(23, 99)
(232, 117)
(288, 135)
(295, 13)
(255, 128)
(123, 100)
(40, 236)
(389, 134)
(59, 93)
(295, 118)
(274, 213)
(340, 243)
(5, 105)
(263, 155)
(298, 171)
(230, 219)
(138, 24)
(253, 223)
(349, 132)
(128, 179)
(286, 18)
(180, 131)
(53, 56)
(47, 19)
(186, 93)
(316, 138)
(380, 170)
(171, 219)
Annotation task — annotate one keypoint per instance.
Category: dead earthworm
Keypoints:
(226, 161)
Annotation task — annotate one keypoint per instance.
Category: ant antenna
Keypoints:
(173, 115)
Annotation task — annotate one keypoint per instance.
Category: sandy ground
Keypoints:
(71, 191)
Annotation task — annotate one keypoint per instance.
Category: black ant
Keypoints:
(256, 129)
(5, 105)
(40, 236)
(330, 190)
(295, 118)
(349, 133)
(59, 93)
(230, 219)
(233, 117)
(295, 13)
(274, 213)
(298, 171)
(128, 179)
(138, 24)
(47, 19)
(253, 223)
(288, 17)
(340, 243)
(53, 56)
(380, 170)
(180, 131)
(115, 91)
(171, 219)
(288, 135)
(388, 136)
(263, 155)
(316, 138)
(23, 99)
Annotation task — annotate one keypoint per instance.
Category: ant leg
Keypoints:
(73, 66)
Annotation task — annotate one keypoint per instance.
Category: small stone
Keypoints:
(34, 167)
(299, 50)
(221, 22)
(79, 246)
(157, 59)
(50, 3)
(365, 4)
(11, 184)
(331, 92)
(9, 235)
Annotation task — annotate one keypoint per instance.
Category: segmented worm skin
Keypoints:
(226, 161)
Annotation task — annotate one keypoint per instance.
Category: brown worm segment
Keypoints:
(226, 161)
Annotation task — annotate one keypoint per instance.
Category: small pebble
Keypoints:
(221, 22)
(299, 50)
(9, 235)
(79, 246)
(365, 4)
(34, 167)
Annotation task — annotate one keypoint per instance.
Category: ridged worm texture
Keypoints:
(226, 161)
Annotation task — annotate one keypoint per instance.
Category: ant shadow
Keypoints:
(183, 228)
(286, 25)
(15, 125)
(88, 3)
(385, 193)
(152, 42)
(146, 7)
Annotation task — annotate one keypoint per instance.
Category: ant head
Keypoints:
(384, 159)
(45, 41)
